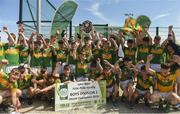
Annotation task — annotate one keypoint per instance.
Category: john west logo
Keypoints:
(63, 92)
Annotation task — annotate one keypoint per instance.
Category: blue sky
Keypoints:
(161, 12)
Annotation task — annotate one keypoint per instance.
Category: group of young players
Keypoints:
(30, 67)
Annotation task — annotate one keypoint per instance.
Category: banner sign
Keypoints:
(79, 94)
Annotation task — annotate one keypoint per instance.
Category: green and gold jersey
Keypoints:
(62, 55)
(108, 55)
(165, 84)
(82, 68)
(158, 53)
(25, 81)
(5, 84)
(110, 79)
(96, 53)
(36, 58)
(47, 58)
(144, 84)
(131, 53)
(23, 54)
(11, 53)
(143, 52)
(127, 74)
(1, 51)
(94, 75)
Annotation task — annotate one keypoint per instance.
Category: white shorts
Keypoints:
(9, 68)
(110, 89)
(156, 67)
(5, 93)
(141, 92)
(49, 69)
(35, 69)
(139, 66)
(165, 94)
(124, 84)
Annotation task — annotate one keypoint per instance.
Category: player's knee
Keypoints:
(18, 92)
(1, 99)
(135, 95)
(155, 98)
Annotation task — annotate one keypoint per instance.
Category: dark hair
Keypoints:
(130, 41)
(67, 67)
(87, 38)
(165, 66)
(157, 37)
(146, 39)
(143, 68)
(60, 42)
(126, 59)
(93, 64)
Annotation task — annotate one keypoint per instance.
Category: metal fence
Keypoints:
(161, 31)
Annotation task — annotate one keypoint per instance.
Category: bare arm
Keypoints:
(10, 37)
(57, 69)
(99, 65)
(151, 71)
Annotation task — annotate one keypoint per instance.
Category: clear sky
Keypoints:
(161, 12)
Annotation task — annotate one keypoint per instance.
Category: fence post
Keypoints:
(157, 31)
(70, 30)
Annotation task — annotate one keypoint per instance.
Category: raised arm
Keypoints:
(99, 65)
(149, 58)
(25, 44)
(10, 37)
(114, 44)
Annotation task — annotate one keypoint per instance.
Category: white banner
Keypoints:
(79, 94)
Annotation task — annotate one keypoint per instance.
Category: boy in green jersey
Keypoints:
(9, 88)
(130, 51)
(143, 50)
(158, 52)
(110, 75)
(72, 56)
(11, 51)
(82, 67)
(61, 52)
(95, 70)
(127, 80)
(144, 84)
(47, 55)
(23, 49)
(108, 53)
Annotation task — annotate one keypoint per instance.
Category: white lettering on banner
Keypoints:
(81, 93)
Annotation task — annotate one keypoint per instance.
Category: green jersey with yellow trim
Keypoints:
(143, 52)
(23, 54)
(158, 53)
(47, 58)
(1, 51)
(127, 74)
(82, 68)
(61, 55)
(12, 54)
(131, 53)
(144, 84)
(36, 58)
(5, 84)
